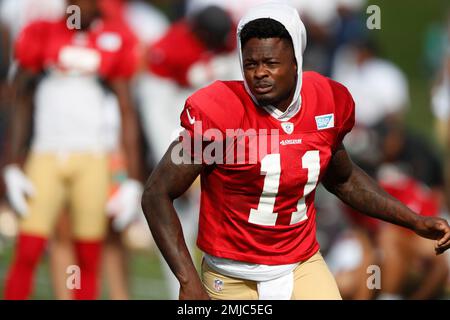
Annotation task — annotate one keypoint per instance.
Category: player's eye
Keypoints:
(250, 64)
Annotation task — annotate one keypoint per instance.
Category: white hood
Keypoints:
(290, 19)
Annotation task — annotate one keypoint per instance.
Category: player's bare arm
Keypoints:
(353, 186)
(22, 90)
(167, 182)
(130, 128)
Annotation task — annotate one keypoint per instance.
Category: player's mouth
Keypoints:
(263, 88)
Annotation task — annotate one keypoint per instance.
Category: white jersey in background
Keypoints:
(378, 87)
(69, 114)
(146, 21)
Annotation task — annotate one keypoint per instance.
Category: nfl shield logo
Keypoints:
(218, 285)
(288, 127)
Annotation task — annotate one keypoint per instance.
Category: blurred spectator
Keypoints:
(436, 45)
(68, 159)
(406, 256)
(440, 95)
(411, 152)
(14, 14)
(381, 94)
(379, 88)
(381, 140)
(144, 22)
(189, 55)
(440, 103)
(330, 24)
(352, 21)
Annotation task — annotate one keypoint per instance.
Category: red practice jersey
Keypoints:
(113, 10)
(414, 195)
(178, 50)
(105, 50)
(263, 211)
(172, 56)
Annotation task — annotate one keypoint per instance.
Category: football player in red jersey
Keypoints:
(257, 216)
(67, 162)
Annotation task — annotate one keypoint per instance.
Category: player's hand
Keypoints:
(435, 229)
(18, 188)
(124, 206)
(193, 291)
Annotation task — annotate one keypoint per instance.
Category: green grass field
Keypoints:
(404, 25)
(146, 278)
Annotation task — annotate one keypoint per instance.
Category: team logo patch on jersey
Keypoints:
(288, 127)
(218, 285)
(325, 122)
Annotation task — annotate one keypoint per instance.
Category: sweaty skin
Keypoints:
(271, 84)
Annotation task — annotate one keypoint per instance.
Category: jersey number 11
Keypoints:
(271, 167)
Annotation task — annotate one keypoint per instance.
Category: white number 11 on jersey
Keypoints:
(271, 167)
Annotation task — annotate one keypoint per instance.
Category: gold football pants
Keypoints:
(312, 281)
(78, 181)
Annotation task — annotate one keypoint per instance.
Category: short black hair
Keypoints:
(264, 28)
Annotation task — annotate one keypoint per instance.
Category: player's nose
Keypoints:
(260, 71)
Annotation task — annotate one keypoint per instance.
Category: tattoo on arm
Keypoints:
(354, 187)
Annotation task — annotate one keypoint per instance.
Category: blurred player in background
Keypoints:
(257, 229)
(408, 267)
(410, 270)
(381, 137)
(379, 87)
(144, 22)
(14, 15)
(179, 62)
(440, 103)
(193, 52)
(67, 162)
(147, 24)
